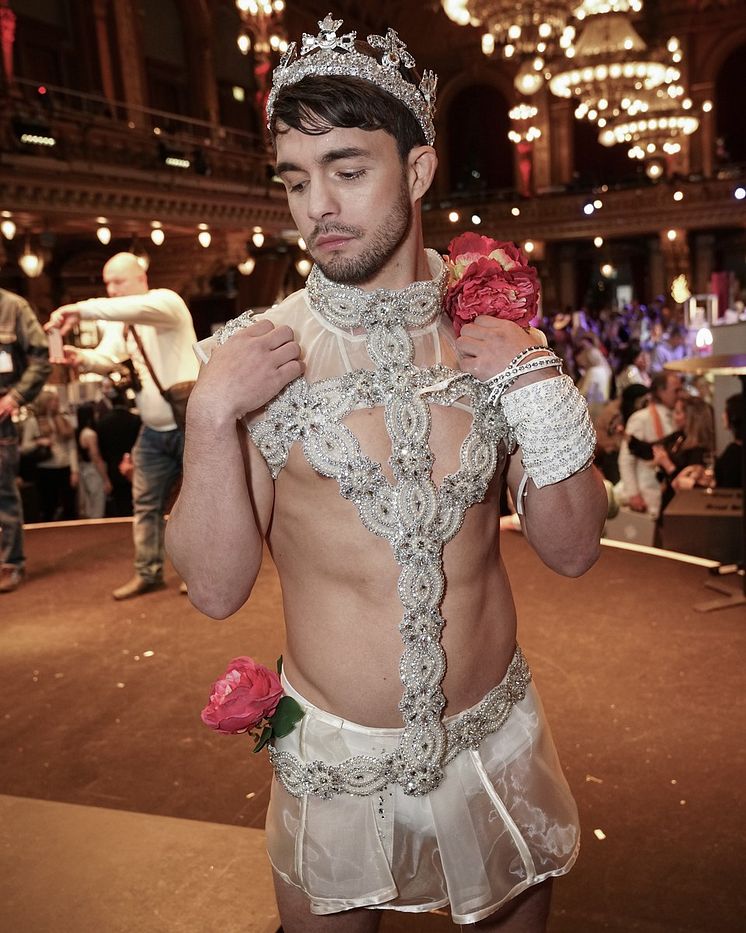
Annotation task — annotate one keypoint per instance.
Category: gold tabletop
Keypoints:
(725, 364)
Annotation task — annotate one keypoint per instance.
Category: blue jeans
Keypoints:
(11, 511)
(157, 458)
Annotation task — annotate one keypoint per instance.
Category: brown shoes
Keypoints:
(11, 577)
(136, 587)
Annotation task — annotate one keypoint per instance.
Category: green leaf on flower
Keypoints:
(279, 666)
(263, 739)
(288, 713)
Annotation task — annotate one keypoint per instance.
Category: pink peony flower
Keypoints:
(246, 694)
(491, 278)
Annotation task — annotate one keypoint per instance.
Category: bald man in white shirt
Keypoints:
(165, 330)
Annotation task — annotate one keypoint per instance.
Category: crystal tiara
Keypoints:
(330, 54)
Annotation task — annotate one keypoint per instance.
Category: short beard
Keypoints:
(385, 242)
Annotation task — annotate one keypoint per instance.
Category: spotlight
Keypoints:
(453, 217)
(173, 158)
(529, 246)
(678, 195)
(476, 219)
(515, 211)
(671, 234)
(33, 133)
(588, 209)
(204, 236)
(608, 271)
(740, 193)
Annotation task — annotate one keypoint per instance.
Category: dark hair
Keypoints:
(86, 419)
(628, 355)
(631, 400)
(734, 415)
(659, 382)
(318, 103)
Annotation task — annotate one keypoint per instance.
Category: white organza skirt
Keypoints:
(502, 819)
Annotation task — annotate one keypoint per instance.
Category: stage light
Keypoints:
(588, 209)
(33, 133)
(678, 195)
(671, 234)
(598, 242)
(740, 193)
(515, 211)
(608, 271)
(476, 219)
(453, 217)
(529, 246)
(598, 204)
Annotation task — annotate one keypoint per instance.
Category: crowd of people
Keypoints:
(655, 432)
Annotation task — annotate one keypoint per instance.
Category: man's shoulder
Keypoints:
(168, 294)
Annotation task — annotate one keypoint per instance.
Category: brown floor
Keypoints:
(100, 708)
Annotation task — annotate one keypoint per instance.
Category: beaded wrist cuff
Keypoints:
(551, 424)
(518, 367)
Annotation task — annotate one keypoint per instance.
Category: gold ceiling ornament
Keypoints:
(522, 28)
(609, 71)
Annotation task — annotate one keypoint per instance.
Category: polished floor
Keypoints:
(120, 811)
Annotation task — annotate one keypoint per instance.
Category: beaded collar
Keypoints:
(347, 307)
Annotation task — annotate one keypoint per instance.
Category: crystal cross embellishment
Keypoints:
(327, 39)
(395, 51)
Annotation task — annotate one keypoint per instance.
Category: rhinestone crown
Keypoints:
(336, 55)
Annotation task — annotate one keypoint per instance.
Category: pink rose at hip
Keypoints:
(489, 289)
(246, 694)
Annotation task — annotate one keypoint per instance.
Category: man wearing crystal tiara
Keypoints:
(350, 429)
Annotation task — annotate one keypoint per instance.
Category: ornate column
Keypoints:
(104, 51)
(656, 270)
(703, 141)
(567, 286)
(704, 262)
(131, 57)
(561, 155)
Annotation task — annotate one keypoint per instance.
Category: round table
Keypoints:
(724, 364)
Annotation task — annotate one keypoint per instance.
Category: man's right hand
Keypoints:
(637, 503)
(249, 370)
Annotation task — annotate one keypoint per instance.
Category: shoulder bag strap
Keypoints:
(656, 418)
(130, 329)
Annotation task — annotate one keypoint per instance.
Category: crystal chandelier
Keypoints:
(262, 27)
(609, 71)
(524, 128)
(523, 28)
(657, 132)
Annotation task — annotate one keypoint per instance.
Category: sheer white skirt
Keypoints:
(502, 819)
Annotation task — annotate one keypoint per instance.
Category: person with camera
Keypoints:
(151, 331)
(24, 367)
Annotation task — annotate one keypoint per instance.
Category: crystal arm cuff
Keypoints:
(550, 422)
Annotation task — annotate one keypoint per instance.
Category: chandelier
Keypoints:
(657, 132)
(524, 128)
(609, 70)
(521, 27)
(262, 21)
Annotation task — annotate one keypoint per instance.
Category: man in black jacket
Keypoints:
(24, 367)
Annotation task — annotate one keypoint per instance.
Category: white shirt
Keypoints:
(165, 328)
(637, 474)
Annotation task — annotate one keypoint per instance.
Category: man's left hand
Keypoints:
(488, 344)
(64, 319)
(8, 406)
